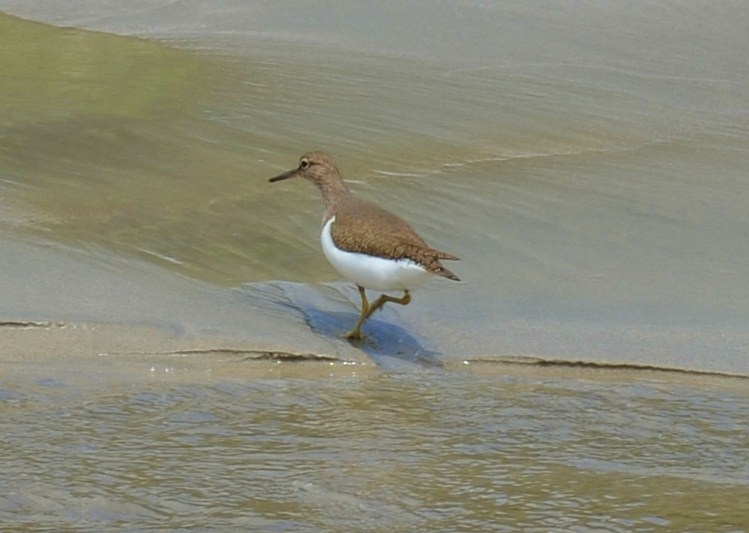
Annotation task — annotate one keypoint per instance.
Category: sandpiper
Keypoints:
(370, 246)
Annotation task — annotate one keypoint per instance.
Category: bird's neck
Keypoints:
(333, 193)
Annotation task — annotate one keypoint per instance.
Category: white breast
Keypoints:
(372, 272)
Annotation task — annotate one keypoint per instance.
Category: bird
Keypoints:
(365, 243)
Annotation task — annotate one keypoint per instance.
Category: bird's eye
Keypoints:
(304, 164)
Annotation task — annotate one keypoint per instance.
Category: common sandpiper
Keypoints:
(366, 244)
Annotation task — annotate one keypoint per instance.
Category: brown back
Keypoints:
(363, 227)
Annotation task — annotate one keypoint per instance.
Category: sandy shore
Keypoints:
(61, 303)
(68, 308)
(133, 353)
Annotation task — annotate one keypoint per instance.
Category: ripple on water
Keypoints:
(413, 452)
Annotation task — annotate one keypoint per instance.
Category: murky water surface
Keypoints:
(178, 450)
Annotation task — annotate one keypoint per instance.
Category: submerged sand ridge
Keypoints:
(59, 302)
(63, 304)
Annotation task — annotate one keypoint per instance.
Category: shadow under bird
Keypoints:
(366, 244)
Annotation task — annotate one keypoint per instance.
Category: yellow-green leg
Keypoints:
(384, 298)
(367, 310)
(355, 334)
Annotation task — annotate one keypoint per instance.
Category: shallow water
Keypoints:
(180, 447)
(586, 161)
(593, 185)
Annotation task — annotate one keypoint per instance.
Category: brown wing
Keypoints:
(372, 230)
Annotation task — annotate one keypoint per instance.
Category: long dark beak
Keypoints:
(284, 176)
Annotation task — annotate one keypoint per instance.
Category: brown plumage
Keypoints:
(362, 227)
(374, 231)
(369, 229)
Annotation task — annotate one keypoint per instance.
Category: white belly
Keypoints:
(372, 272)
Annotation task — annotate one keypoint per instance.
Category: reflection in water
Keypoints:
(426, 451)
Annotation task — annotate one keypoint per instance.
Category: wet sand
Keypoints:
(67, 308)
(62, 303)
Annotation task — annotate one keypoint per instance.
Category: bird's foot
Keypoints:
(367, 310)
(354, 335)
